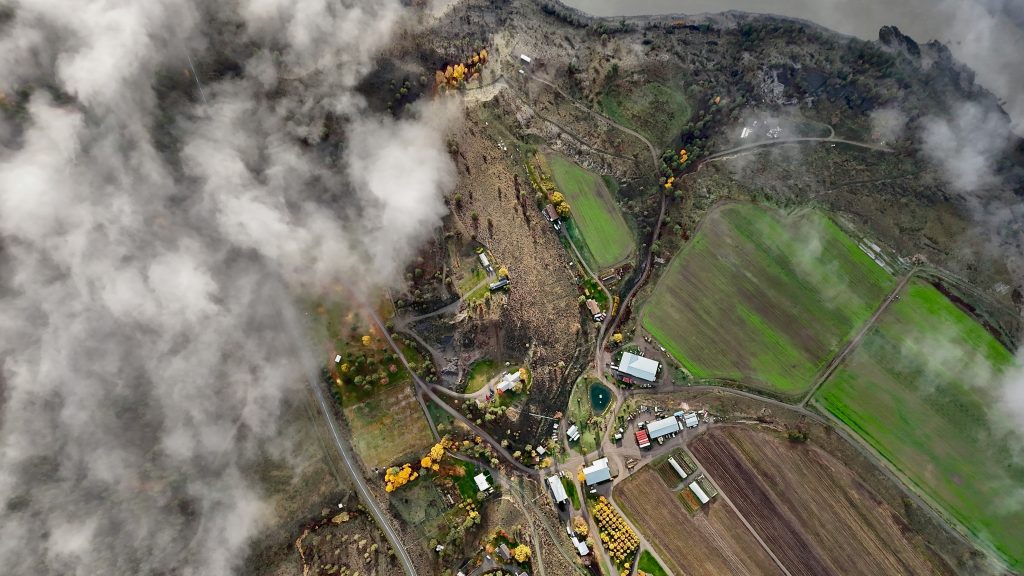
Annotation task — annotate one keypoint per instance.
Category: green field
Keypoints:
(480, 373)
(649, 565)
(656, 110)
(918, 390)
(594, 213)
(764, 298)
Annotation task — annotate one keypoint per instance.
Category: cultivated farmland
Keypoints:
(388, 427)
(711, 541)
(918, 389)
(595, 215)
(764, 298)
(811, 511)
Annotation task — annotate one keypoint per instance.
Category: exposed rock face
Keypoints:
(892, 37)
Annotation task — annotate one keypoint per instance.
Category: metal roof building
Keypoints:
(557, 490)
(677, 468)
(481, 482)
(597, 472)
(691, 420)
(642, 368)
(573, 433)
(642, 440)
(581, 547)
(662, 427)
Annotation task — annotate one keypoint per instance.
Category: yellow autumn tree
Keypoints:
(579, 525)
(563, 209)
(502, 272)
(617, 338)
(557, 198)
(366, 340)
(437, 451)
(426, 462)
(521, 553)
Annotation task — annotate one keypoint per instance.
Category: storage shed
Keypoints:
(638, 366)
(557, 489)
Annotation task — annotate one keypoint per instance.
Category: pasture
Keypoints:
(812, 512)
(388, 427)
(659, 112)
(920, 390)
(764, 298)
(595, 215)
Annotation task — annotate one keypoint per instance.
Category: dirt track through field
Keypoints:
(813, 513)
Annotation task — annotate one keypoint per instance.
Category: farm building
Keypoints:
(573, 433)
(662, 427)
(597, 472)
(677, 468)
(699, 493)
(557, 490)
(508, 381)
(550, 213)
(498, 285)
(504, 552)
(642, 439)
(638, 366)
(526, 59)
(690, 420)
(581, 547)
(595, 310)
(481, 482)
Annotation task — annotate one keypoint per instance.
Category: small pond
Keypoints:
(600, 397)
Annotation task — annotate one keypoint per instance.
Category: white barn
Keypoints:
(663, 427)
(557, 489)
(639, 367)
(597, 472)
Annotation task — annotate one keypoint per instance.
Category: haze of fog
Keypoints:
(987, 35)
(149, 245)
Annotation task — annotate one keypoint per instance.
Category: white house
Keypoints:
(557, 489)
(508, 381)
(573, 433)
(481, 482)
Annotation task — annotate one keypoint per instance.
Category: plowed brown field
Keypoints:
(814, 514)
(712, 541)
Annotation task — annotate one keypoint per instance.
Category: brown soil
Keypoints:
(711, 541)
(810, 509)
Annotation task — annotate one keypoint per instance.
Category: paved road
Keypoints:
(346, 456)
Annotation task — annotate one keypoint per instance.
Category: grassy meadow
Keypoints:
(389, 427)
(595, 216)
(764, 298)
(919, 389)
(657, 111)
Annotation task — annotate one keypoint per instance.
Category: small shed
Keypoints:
(642, 439)
(481, 482)
(551, 213)
(526, 59)
(494, 286)
(677, 468)
(595, 309)
(581, 547)
(573, 433)
(597, 472)
(504, 552)
(691, 420)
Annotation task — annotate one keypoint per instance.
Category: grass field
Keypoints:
(388, 427)
(570, 491)
(649, 565)
(594, 212)
(480, 373)
(764, 298)
(918, 389)
(656, 110)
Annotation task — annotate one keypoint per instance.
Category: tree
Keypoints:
(563, 209)
(502, 272)
(521, 553)
(579, 525)
(617, 338)
(557, 198)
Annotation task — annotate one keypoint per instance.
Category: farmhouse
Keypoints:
(699, 493)
(504, 552)
(638, 366)
(642, 440)
(662, 427)
(595, 310)
(481, 482)
(508, 381)
(573, 433)
(597, 472)
(557, 489)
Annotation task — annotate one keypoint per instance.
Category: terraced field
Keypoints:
(813, 513)
(764, 298)
(595, 215)
(919, 389)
